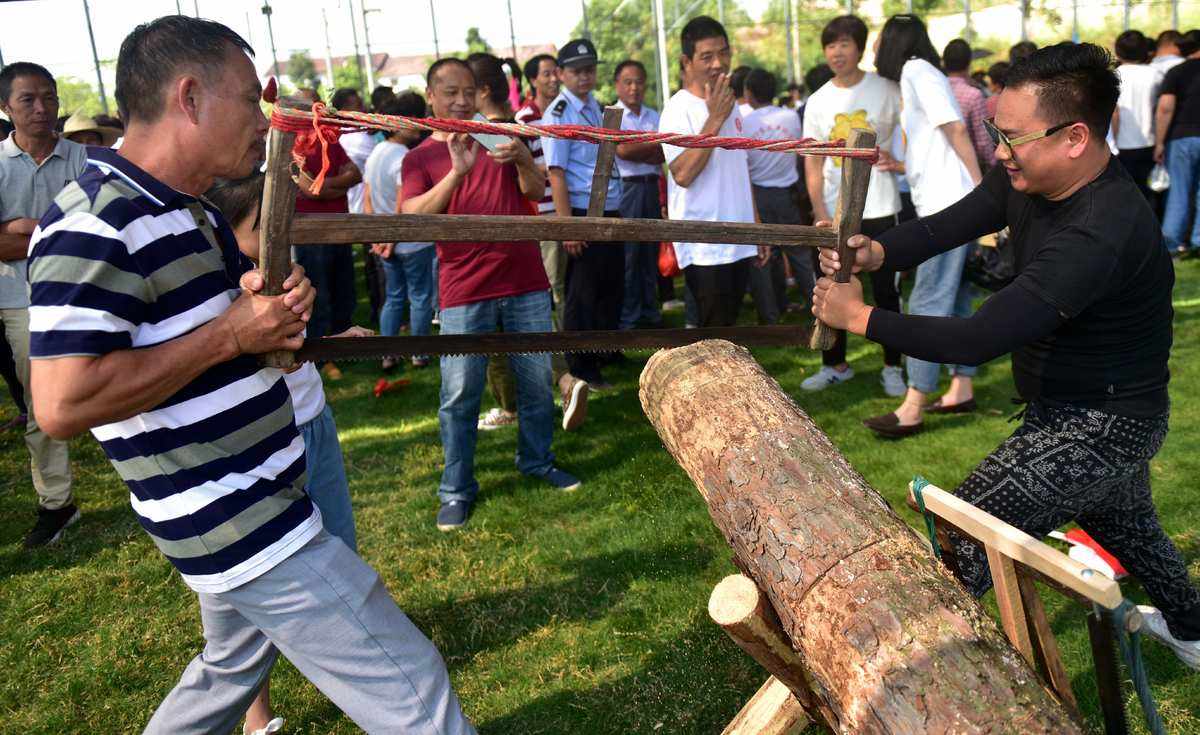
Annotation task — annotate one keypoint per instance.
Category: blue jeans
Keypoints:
(939, 290)
(639, 200)
(327, 485)
(409, 277)
(463, 378)
(1183, 166)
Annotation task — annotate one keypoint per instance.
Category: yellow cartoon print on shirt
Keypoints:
(844, 122)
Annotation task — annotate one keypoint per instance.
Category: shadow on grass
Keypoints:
(717, 680)
(466, 627)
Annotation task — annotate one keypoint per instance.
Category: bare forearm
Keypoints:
(434, 201)
(689, 164)
(531, 180)
(74, 394)
(641, 152)
(13, 246)
(559, 193)
(960, 141)
(1162, 121)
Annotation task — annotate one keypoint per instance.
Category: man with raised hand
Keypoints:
(143, 331)
(709, 184)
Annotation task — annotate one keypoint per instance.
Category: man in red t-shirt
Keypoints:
(482, 285)
(331, 268)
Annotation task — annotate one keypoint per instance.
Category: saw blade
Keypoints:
(507, 343)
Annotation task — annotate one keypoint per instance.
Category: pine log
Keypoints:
(892, 642)
(773, 710)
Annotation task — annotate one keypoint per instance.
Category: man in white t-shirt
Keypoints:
(773, 178)
(737, 82)
(1166, 51)
(358, 146)
(709, 184)
(1133, 122)
(640, 166)
(864, 100)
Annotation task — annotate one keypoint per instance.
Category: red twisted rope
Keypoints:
(322, 125)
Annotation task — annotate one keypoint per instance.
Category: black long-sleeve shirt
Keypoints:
(1088, 316)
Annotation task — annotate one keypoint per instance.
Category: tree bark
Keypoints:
(892, 642)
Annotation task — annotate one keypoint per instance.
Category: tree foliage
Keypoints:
(75, 94)
(349, 74)
(476, 42)
(302, 71)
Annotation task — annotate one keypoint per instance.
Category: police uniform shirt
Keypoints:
(576, 158)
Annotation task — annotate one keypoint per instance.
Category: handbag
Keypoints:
(668, 266)
(991, 268)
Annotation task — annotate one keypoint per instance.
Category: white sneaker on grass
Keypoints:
(271, 728)
(1156, 626)
(892, 378)
(826, 377)
(497, 418)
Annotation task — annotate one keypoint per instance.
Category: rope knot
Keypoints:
(307, 141)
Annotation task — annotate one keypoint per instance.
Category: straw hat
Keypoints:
(81, 123)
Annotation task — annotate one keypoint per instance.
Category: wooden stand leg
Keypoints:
(773, 710)
(852, 198)
(1108, 674)
(278, 207)
(604, 164)
(1008, 599)
(741, 609)
(1045, 646)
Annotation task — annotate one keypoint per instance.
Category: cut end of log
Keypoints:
(734, 600)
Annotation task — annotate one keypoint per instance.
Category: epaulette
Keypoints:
(559, 109)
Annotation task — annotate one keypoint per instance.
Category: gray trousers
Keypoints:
(49, 459)
(768, 285)
(328, 612)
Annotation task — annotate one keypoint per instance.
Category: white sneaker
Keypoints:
(272, 727)
(826, 377)
(497, 418)
(1155, 625)
(893, 381)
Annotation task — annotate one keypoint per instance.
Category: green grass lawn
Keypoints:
(556, 613)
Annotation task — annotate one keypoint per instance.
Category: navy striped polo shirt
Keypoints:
(216, 473)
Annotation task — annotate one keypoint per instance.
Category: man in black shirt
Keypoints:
(1087, 320)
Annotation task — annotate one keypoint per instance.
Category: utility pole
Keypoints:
(721, 12)
(1075, 21)
(328, 53)
(354, 35)
(249, 30)
(266, 10)
(433, 17)
(512, 34)
(196, 7)
(909, 10)
(1024, 20)
(664, 73)
(367, 44)
(586, 32)
(178, 8)
(1126, 15)
(87, 14)
(968, 31)
(791, 53)
(1175, 14)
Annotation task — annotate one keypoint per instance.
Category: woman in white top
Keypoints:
(941, 168)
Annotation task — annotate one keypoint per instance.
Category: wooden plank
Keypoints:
(1045, 646)
(1008, 599)
(1108, 673)
(745, 613)
(1020, 546)
(604, 164)
(852, 199)
(345, 229)
(274, 241)
(773, 710)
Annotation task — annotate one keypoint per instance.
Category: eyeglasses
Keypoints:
(999, 138)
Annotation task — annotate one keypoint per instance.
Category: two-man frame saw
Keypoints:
(280, 230)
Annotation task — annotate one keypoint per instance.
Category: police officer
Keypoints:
(595, 271)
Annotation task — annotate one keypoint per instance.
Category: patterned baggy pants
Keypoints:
(1074, 464)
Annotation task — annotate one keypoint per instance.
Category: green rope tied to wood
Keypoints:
(918, 487)
(1131, 652)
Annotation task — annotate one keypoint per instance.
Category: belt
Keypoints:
(643, 179)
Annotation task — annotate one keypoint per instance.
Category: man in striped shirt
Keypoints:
(142, 330)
